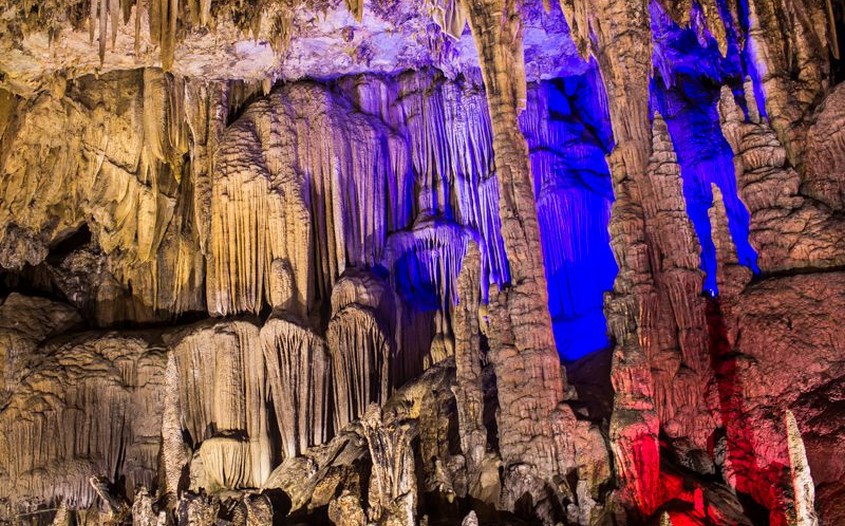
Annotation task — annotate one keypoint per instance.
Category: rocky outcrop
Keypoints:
(93, 404)
(784, 329)
(789, 229)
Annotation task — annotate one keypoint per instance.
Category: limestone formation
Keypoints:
(790, 229)
(93, 403)
(361, 342)
(400, 262)
(392, 494)
(297, 368)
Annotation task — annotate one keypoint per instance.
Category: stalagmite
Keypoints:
(674, 323)
(142, 510)
(733, 277)
(470, 520)
(198, 510)
(469, 394)
(346, 510)
(392, 495)
(802, 480)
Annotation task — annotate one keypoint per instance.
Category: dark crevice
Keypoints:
(790, 272)
(70, 242)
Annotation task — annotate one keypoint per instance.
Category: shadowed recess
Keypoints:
(568, 133)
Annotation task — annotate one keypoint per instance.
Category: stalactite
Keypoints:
(449, 15)
(361, 347)
(824, 170)
(103, 30)
(92, 20)
(715, 25)
(114, 14)
(139, 10)
(222, 373)
(298, 176)
(567, 138)
(170, 14)
(356, 8)
(450, 145)
(258, 213)
(400, 198)
(298, 381)
(155, 21)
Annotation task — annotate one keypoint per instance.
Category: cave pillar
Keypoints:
(522, 351)
(624, 51)
(469, 389)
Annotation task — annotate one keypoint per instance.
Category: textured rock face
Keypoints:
(267, 262)
(93, 404)
(786, 329)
